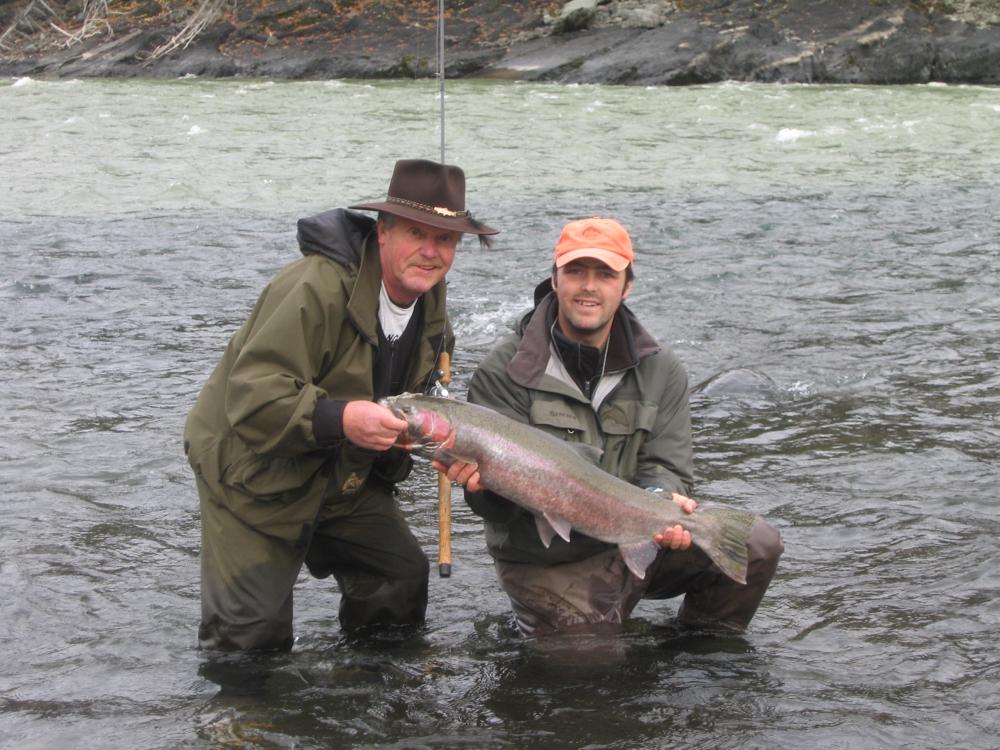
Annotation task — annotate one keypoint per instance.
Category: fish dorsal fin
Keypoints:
(638, 556)
(549, 525)
(588, 452)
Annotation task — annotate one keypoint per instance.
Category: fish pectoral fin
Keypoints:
(638, 556)
(550, 525)
(545, 531)
(560, 525)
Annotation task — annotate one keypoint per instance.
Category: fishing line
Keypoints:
(440, 56)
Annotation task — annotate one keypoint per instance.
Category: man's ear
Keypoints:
(554, 273)
(626, 290)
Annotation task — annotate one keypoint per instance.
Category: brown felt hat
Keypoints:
(430, 193)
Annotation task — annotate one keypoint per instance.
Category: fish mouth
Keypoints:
(427, 432)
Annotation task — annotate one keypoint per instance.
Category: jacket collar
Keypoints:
(362, 302)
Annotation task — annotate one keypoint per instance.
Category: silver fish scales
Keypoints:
(561, 487)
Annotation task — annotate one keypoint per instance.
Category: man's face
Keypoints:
(589, 293)
(414, 257)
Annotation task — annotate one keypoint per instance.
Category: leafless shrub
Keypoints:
(207, 12)
(95, 21)
(37, 20)
(28, 21)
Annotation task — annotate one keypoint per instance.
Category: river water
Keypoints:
(842, 242)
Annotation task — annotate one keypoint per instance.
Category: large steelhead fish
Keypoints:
(564, 490)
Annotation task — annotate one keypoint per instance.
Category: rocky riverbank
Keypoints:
(647, 42)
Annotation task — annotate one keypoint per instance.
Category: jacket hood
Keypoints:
(542, 290)
(338, 234)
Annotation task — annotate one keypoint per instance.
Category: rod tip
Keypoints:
(444, 570)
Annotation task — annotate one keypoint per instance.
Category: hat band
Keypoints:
(439, 210)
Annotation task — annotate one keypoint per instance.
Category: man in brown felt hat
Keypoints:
(292, 455)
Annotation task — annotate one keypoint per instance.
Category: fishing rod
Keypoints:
(444, 364)
(444, 484)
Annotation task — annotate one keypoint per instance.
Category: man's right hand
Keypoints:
(370, 425)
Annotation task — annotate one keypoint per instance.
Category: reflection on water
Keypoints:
(833, 249)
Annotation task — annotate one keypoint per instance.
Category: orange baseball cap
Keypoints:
(602, 239)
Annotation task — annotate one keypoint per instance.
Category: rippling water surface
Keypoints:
(841, 242)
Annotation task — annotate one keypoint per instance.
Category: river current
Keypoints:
(842, 242)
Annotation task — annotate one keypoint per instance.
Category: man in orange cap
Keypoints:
(580, 366)
(291, 453)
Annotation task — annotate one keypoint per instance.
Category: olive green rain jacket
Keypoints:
(312, 335)
(638, 420)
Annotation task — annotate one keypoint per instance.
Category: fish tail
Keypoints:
(724, 535)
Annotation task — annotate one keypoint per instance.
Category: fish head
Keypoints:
(428, 430)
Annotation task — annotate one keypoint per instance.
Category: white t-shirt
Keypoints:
(391, 316)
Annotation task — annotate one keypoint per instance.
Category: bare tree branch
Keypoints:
(207, 12)
(95, 13)
(22, 18)
(38, 15)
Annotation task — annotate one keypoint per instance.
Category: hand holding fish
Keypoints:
(370, 425)
(463, 473)
(457, 470)
(677, 537)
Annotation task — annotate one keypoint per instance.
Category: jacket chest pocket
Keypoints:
(626, 425)
(556, 418)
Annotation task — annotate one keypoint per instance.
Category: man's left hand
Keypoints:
(677, 537)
